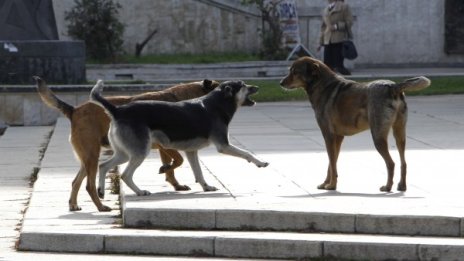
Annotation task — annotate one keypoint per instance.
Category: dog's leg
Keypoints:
(91, 166)
(116, 159)
(168, 156)
(333, 144)
(192, 157)
(399, 132)
(381, 144)
(127, 175)
(230, 149)
(87, 149)
(76, 185)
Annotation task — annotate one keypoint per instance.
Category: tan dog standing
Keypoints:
(89, 129)
(344, 108)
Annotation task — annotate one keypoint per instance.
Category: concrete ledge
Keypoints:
(187, 72)
(159, 244)
(284, 221)
(170, 218)
(21, 105)
(230, 244)
(268, 248)
(371, 250)
(61, 242)
(56, 61)
(409, 225)
(270, 220)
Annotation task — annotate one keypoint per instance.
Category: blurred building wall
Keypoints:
(386, 32)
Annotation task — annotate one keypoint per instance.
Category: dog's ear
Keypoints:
(207, 85)
(313, 69)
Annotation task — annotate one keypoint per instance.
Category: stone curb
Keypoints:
(269, 220)
(246, 244)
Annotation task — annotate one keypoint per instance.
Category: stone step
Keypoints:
(244, 244)
(281, 207)
(187, 72)
(269, 220)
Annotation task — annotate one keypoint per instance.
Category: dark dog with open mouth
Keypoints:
(344, 108)
(89, 130)
(187, 125)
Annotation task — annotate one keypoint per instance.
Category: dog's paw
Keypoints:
(209, 188)
(104, 208)
(144, 193)
(330, 187)
(101, 193)
(181, 187)
(385, 188)
(401, 187)
(74, 207)
(327, 186)
(262, 164)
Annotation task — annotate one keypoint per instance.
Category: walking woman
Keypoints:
(336, 28)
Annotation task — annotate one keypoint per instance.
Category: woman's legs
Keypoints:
(333, 58)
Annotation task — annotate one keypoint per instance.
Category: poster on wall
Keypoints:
(288, 19)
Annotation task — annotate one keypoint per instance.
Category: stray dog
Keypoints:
(89, 129)
(187, 125)
(344, 108)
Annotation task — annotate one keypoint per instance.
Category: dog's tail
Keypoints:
(49, 98)
(414, 84)
(95, 97)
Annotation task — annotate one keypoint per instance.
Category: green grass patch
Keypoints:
(184, 58)
(270, 90)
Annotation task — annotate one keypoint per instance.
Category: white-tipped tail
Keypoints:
(415, 84)
(96, 91)
(97, 98)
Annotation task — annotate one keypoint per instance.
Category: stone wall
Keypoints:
(29, 45)
(387, 32)
(183, 26)
(20, 105)
(56, 61)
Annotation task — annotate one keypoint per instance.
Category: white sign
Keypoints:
(288, 18)
(10, 47)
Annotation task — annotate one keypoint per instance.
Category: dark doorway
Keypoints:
(454, 26)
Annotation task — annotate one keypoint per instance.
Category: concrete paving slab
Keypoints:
(20, 150)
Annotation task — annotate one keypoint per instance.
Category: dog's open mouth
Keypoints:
(251, 90)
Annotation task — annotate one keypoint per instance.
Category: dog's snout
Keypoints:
(252, 89)
(284, 81)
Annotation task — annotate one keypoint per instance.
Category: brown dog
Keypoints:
(344, 108)
(89, 128)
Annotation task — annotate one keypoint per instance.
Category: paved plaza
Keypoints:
(283, 133)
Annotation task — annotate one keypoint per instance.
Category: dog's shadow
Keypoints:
(361, 195)
(165, 196)
(100, 218)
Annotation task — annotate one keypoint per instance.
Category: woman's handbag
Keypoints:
(349, 50)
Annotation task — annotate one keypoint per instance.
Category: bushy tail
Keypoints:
(95, 97)
(414, 84)
(49, 98)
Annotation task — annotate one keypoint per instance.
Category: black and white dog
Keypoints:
(187, 125)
